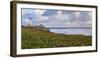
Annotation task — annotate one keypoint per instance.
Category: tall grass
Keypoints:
(34, 38)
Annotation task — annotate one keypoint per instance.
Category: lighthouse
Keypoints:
(30, 22)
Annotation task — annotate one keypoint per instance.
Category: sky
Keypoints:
(57, 18)
(52, 18)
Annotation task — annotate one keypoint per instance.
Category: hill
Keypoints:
(36, 38)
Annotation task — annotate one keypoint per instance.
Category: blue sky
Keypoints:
(59, 18)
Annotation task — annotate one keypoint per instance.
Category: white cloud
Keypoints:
(39, 16)
(60, 19)
(77, 14)
(59, 12)
(26, 20)
(40, 11)
(58, 15)
(89, 22)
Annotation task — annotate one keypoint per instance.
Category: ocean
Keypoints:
(86, 32)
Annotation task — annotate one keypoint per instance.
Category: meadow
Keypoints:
(35, 38)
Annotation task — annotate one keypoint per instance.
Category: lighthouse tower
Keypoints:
(30, 22)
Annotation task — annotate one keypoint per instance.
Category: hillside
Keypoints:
(35, 38)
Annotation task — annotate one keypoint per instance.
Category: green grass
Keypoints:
(34, 38)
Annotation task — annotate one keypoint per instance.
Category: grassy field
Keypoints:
(34, 38)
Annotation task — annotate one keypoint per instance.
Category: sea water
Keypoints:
(86, 32)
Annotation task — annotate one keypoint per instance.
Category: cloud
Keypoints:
(59, 18)
(58, 15)
(77, 14)
(49, 12)
(38, 14)
(65, 20)
(59, 12)
(26, 10)
(25, 21)
(40, 11)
